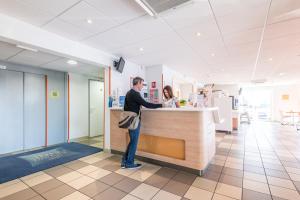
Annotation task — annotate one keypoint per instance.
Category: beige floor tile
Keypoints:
(99, 173)
(234, 160)
(284, 193)
(256, 186)
(141, 175)
(205, 184)
(295, 177)
(76, 196)
(24, 178)
(126, 172)
(81, 182)
(234, 165)
(195, 193)
(69, 177)
(221, 197)
(130, 197)
(37, 179)
(92, 160)
(255, 177)
(88, 169)
(3, 185)
(144, 191)
(229, 190)
(12, 188)
(163, 195)
(281, 182)
(293, 170)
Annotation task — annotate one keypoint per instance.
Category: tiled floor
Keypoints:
(261, 162)
(92, 141)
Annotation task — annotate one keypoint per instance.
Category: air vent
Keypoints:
(159, 6)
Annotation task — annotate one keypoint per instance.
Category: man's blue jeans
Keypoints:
(128, 157)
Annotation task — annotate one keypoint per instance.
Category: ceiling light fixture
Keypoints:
(141, 49)
(89, 21)
(198, 34)
(281, 74)
(213, 54)
(26, 48)
(270, 59)
(72, 62)
(146, 7)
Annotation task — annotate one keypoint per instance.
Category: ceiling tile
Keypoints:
(53, 7)
(67, 30)
(32, 58)
(79, 14)
(283, 10)
(118, 10)
(196, 12)
(82, 68)
(24, 12)
(8, 50)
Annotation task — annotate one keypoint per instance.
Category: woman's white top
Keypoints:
(171, 103)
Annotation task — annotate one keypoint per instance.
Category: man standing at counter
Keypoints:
(133, 103)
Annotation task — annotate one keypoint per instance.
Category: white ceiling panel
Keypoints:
(53, 7)
(239, 15)
(82, 68)
(156, 44)
(247, 36)
(67, 30)
(283, 10)
(282, 29)
(79, 14)
(8, 50)
(32, 58)
(118, 10)
(24, 12)
(196, 12)
(135, 31)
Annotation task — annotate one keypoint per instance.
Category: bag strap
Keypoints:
(140, 111)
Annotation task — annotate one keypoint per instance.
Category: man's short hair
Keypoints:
(137, 80)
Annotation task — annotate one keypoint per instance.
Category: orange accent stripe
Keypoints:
(162, 85)
(68, 108)
(109, 81)
(105, 78)
(46, 117)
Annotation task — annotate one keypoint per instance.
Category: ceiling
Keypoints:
(239, 40)
(12, 54)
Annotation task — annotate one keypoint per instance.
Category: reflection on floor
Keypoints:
(260, 162)
(92, 141)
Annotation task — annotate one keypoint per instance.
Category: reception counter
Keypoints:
(180, 137)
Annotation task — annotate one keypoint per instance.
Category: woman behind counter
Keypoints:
(170, 101)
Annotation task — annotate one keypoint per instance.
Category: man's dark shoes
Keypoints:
(134, 166)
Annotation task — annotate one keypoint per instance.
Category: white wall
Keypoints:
(79, 126)
(120, 82)
(154, 74)
(79, 105)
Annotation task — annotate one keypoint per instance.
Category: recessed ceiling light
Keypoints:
(89, 21)
(72, 62)
(141, 49)
(270, 59)
(26, 48)
(198, 34)
(281, 74)
(212, 54)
